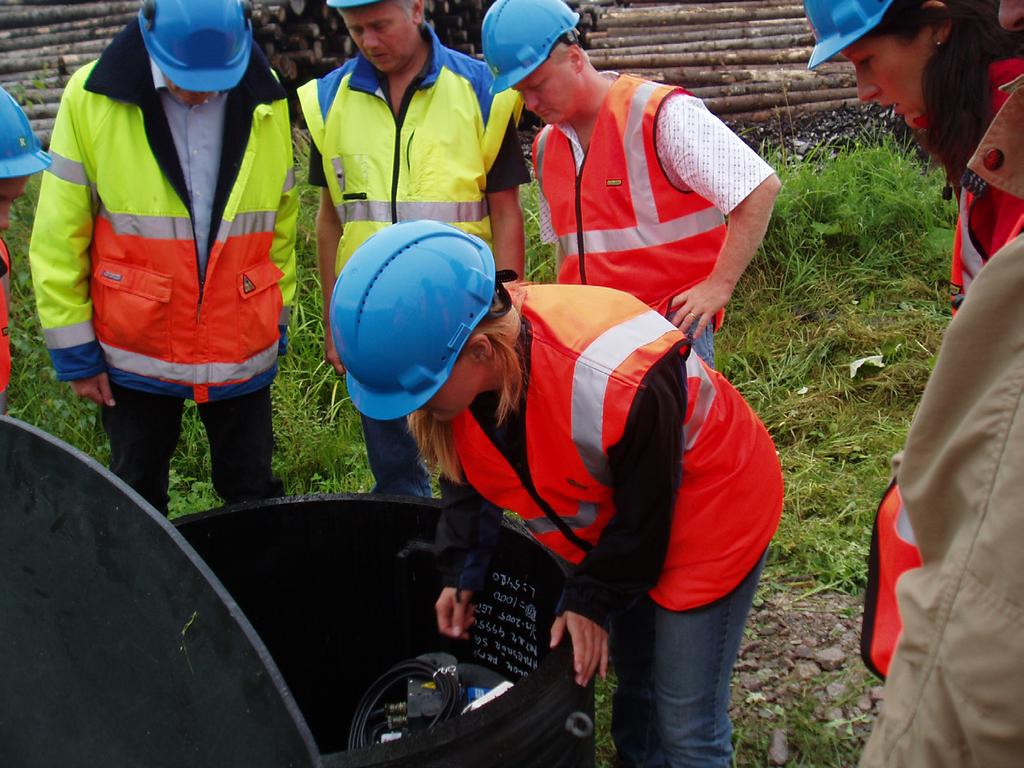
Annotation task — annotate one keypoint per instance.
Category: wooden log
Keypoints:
(714, 58)
(268, 31)
(718, 15)
(308, 29)
(60, 64)
(774, 42)
(760, 101)
(100, 19)
(626, 36)
(764, 115)
(33, 41)
(772, 86)
(31, 16)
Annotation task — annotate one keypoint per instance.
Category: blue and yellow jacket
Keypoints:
(428, 162)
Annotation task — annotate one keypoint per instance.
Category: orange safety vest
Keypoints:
(620, 222)
(893, 553)
(585, 372)
(5, 340)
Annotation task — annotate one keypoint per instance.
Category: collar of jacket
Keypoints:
(123, 73)
(999, 158)
(365, 77)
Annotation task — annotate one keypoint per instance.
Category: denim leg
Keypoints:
(694, 655)
(394, 458)
(634, 727)
(704, 346)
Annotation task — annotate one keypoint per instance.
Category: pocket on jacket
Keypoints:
(131, 307)
(260, 307)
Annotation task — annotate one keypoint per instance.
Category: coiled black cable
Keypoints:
(363, 732)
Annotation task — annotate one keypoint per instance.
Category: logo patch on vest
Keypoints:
(248, 286)
(613, 183)
(112, 276)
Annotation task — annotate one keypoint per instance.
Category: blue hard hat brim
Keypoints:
(25, 165)
(206, 80)
(829, 49)
(385, 406)
(350, 3)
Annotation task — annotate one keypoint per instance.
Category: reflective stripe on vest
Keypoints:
(585, 372)
(637, 232)
(196, 374)
(893, 553)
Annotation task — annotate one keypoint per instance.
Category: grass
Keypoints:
(855, 264)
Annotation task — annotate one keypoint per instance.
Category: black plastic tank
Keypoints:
(246, 636)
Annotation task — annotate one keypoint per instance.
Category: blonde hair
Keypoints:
(435, 439)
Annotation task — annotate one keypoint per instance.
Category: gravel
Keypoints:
(800, 662)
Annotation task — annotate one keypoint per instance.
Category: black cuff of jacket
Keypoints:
(593, 604)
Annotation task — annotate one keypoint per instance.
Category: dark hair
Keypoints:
(957, 98)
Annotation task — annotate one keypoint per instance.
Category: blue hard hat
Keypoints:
(20, 152)
(518, 36)
(838, 23)
(199, 45)
(402, 309)
(350, 3)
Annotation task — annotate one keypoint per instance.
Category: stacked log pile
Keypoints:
(745, 58)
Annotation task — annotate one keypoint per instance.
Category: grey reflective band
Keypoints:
(285, 316)
(647, 236)
(149, 227)
(252, 223)
(904, 528)
(644, 205)
(971, 260)
(289, 180)
(3, 402)
(69, 335)
(594, 368)
(190, 374)
(68, 170)
(706, 393)
(380, 211)
(586, 515)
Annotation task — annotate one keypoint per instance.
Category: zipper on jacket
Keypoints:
(397, 164)
(579, 222)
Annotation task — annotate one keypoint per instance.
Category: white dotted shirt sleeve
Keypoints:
(701, 153)
(547, 231)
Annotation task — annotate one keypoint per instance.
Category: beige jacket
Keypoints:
(955, 692)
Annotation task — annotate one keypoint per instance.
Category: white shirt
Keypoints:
(198, 134)
(697, 151)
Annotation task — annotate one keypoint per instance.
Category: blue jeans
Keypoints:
(704, 346)
(394, 458)
(671, 703)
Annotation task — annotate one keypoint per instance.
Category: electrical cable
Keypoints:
(361, 735)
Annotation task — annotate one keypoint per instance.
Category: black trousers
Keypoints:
(144, 428)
